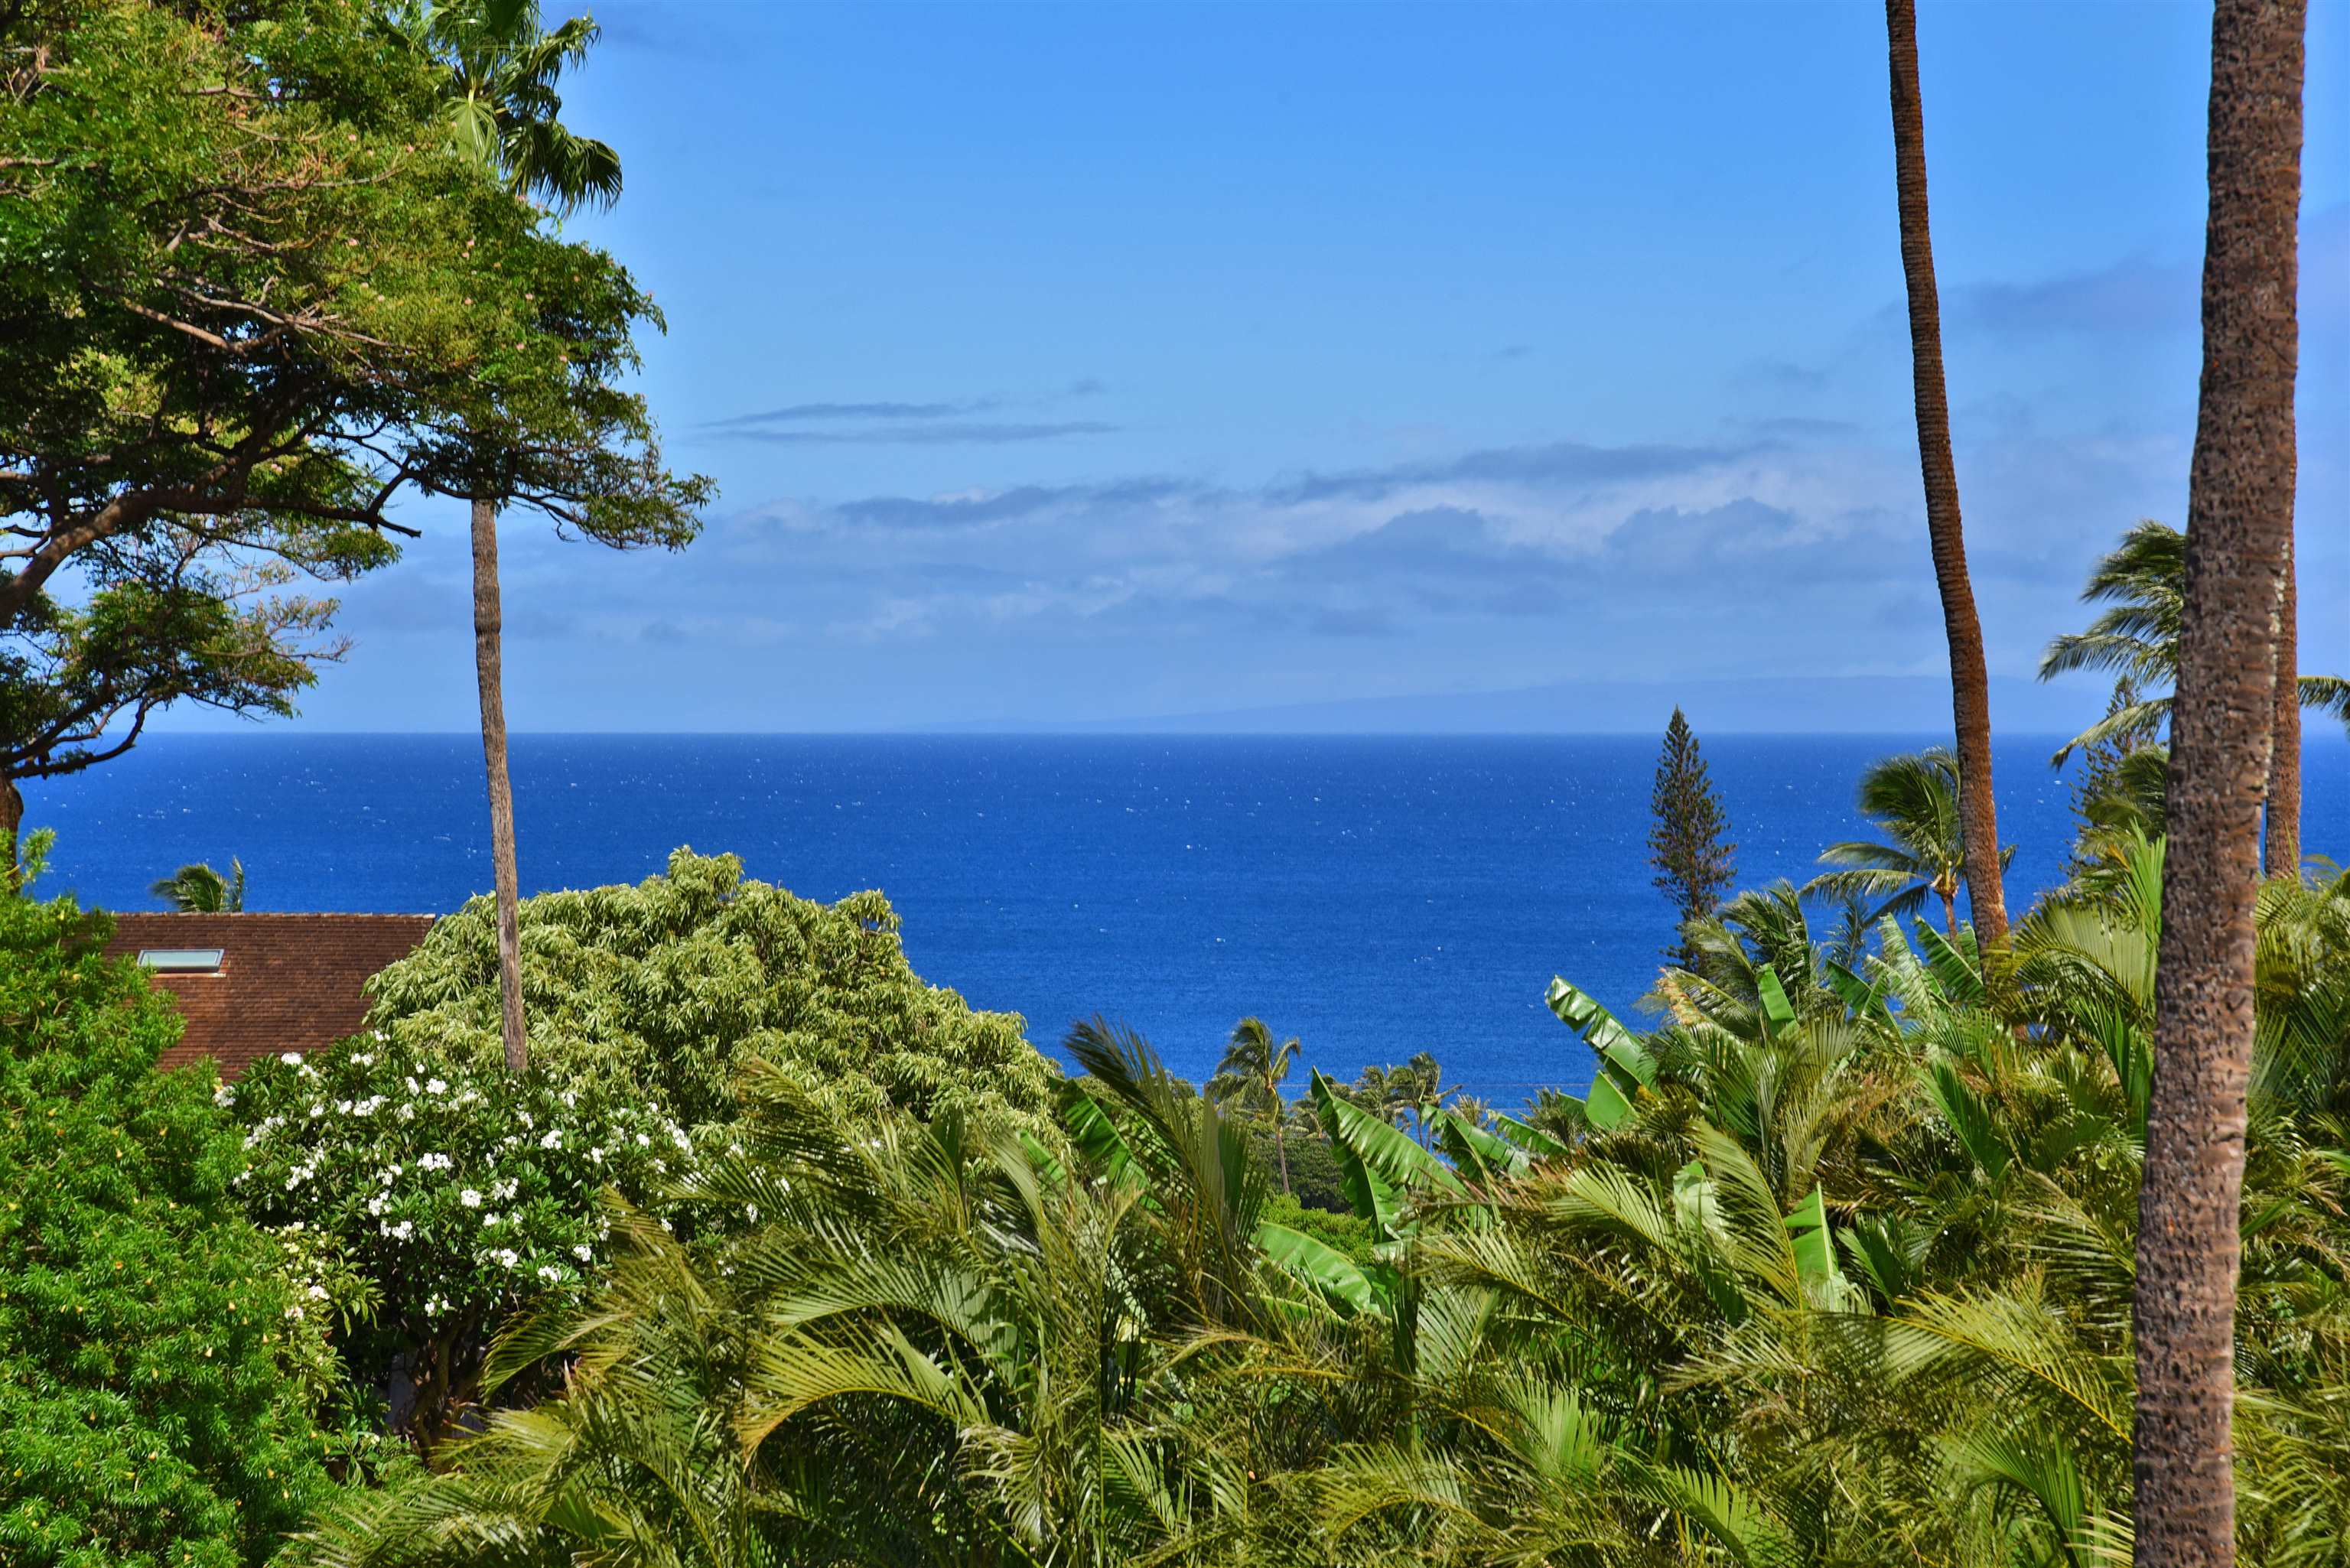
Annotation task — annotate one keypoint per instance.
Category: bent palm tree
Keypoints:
(199, 889)
(1962, 628)
(500, 67)
(1915, 799)
(1251, 1072)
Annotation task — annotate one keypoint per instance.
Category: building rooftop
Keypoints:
(253, 984)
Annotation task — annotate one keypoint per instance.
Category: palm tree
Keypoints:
(1251, 1072)
(1915, 799)
(500, 68)
(2239, 512)
(199, 889)
(2144, 580)
(1969, 684)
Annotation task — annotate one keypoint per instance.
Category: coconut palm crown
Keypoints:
(502, 108)
(2143, 580)
(1913, 798)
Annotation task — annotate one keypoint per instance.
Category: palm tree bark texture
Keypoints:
(2223, 729)
(488, 667)
(2280, 850)
(1969, 684)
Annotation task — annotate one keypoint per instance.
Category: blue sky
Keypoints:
(1064, 362)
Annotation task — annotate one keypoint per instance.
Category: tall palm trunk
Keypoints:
(488, 661)
(2283, 851)
(1970, 685)
(1280, 1145)
(2223, 724)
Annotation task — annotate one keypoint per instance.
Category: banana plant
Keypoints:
(1623, 1067)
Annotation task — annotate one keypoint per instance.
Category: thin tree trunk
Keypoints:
(2223, 725)
(12, 823)
(488, 665)
(2283, 840)
(1950, 910)
(1280, 1149)
(1970, 685)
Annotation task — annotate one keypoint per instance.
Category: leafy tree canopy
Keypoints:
(248, 292)
(672, 983)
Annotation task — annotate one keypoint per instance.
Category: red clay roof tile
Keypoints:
(287, 983)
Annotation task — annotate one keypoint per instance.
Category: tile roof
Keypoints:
(287, 983)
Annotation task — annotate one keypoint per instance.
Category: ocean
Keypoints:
(1374, 896)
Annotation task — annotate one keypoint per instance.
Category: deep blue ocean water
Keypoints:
(1376, 896)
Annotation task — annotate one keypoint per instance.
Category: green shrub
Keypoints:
(158, 1368)
(668, 985)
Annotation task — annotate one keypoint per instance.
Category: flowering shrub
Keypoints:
(454, 1194)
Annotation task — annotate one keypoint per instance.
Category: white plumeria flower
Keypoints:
(554, 1138)
(400, 1232)
(584, 1252)
(317, 1293)
(224, 1095)
(291, 1058)
(507, 1256)
(489, 1222)
(435, 1087)
(549, 1272)
(470, 1198)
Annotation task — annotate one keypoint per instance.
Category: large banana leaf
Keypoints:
(1624, 1065)
(1815, 1254)
(1778, 1013)
(1615, 1044)
(1472, 1148)
(1098, 1138)
(1378, 1164)
(1537, 1143)
(1338, 1277)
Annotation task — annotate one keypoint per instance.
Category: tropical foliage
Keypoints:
(2143, 581)
(161, 1364)
(199, 889)
(1835, 1268)
(1913, 798)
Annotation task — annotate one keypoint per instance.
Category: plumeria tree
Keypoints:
(457, 1192)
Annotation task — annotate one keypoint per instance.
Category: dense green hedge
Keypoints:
(158, 1368)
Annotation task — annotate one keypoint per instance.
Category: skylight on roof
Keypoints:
(181, 961)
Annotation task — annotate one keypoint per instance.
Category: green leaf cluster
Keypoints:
(250, 294)
(671, 985)
(159, 1370)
